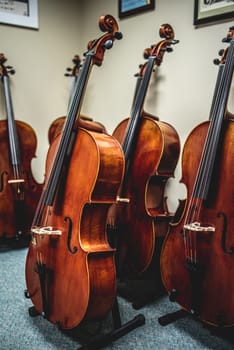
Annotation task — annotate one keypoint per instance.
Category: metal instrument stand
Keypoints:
(119, 330)
(98, 342)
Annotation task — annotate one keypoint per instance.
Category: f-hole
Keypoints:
(224, 234)
(2, 180)
(69, 236)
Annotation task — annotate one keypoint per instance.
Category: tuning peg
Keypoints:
(169, 49)
(108, 44)
(118, 35)
(227, 40)
(229, 35)
(76, 59)
(221, 52)
(68, 69)
(216, 61)
(146, 53)
(10, 70)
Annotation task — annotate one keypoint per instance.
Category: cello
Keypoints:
(197, 258)
(151, 149)
(19, 192)
(57, 125)
(70, 269)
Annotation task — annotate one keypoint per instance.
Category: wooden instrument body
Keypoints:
(58, 124)
(154, 160)
(55, 128)
(70, 268)
(151, 150)
(9, 215)
(81, 257)
(210, 292)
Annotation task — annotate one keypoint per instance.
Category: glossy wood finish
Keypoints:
(214, 292)
(151, 151)
(19, 191)
(197, 260)
(155, 157)
(81, 284)
(70, 269)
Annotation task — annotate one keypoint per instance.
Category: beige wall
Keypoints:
(40, 57)
(180, 92)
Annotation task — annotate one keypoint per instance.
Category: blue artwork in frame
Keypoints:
(130, 7)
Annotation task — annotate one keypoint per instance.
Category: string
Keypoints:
(136, 110)
(16, 161)
(13, 137)
(205, 170)
(66, 141)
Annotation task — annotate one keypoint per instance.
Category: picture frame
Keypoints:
(23, 13)
(206, 11)
(130, 7)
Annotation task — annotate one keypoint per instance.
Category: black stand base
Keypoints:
(172, 317)
(14, 243)
(33, 312)
(140, 292)
(145, 288)
(220, 331)
(98, 342)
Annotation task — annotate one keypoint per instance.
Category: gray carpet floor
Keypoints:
(19, 331)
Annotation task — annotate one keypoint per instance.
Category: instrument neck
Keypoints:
(68, 135)
(137, 87)
(72, 89)
(216, 90)
(12, 131)
(137, 107)
(213, 138)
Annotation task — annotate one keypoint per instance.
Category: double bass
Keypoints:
(197, 259)
(70, 268)
(19, 191)
(151, 148)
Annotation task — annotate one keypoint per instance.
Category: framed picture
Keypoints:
(23, 13)
(206, 11)
(130, 7)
